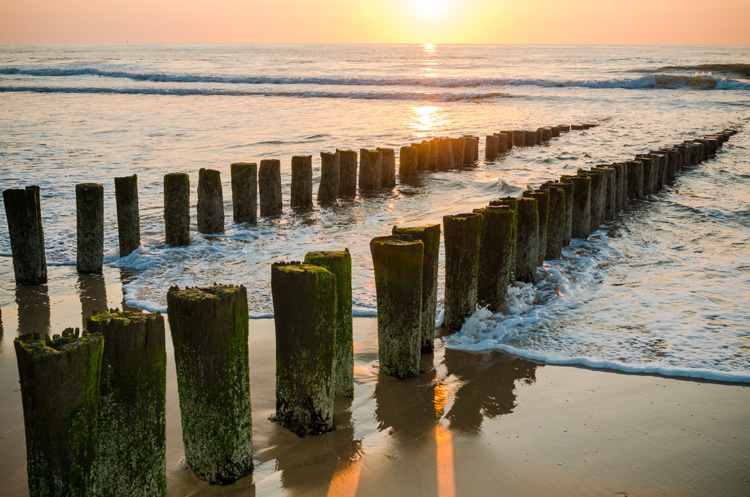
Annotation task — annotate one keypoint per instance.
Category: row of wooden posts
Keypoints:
(338, 179)
(93, 401)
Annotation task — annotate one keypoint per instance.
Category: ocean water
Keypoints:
(663, 289)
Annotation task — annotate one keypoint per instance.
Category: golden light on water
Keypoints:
(427, 120)
(446, 480)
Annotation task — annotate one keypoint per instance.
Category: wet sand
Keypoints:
(470, 424)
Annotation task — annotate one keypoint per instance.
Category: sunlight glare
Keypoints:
(430, 9)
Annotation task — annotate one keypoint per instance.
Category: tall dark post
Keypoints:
(90, 227)
(542, 199)
(458, 145)
(425, 156)
(490, 147)
(330, 177)
(496, 255)
(177, 209)
(302, 183)
(598, 190)
(463, 234)
(23, 212)
(370, 167)
(210, 337)
(244, 192)
(269, 187)
(304, 305)
(348, 182)
(581, 227)
(210, 202)
(388, 168)
(527, 235)
(445, 154)
(557, 221)
(621, 173)
(128, 217)
(408, 162)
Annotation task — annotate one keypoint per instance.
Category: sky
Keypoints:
(376, 21)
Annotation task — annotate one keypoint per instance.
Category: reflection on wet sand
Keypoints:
(93, 294)
(126, 276)
(33, 309)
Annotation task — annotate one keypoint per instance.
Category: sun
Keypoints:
(430, 9)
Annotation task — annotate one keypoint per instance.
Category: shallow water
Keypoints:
(662, 289)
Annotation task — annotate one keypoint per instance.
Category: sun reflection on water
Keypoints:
(427, 120)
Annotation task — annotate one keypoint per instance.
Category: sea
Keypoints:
(663, 289)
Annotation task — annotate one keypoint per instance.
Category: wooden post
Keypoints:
(496, 255)
(508, 139)
(546, 133)
(457, 145)
(348, 180)
(581, 206)
(621, 172)
(245, 192)
(90, 227)
(504, 142)
(398, 283)
(408, 159)
(577, 127)
(24, 216)
(649, 174)
(434, 154)
(430, 237)
(598, 193)
(330, 176)
(445, 155)
(519, 138)
(177, 209)
(564, 128)
(128, 218)
(556, 225)
(542, 199)
(210, 337)
(60, 393)
(269, 187)
(388, 168)
(370, 166)
(463, 234)
(609, 209)
(339, 263)
(635, 179)
(210, 202)
(425, 156)
(304, 305)
(531, 138)
(527, 235)
(132, 420)
(302, 183)
(554, 131)
(490, 148)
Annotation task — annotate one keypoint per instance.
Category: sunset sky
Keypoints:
(377, 21)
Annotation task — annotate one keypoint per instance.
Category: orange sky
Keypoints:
(373, 21)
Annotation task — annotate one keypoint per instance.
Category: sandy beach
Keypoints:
(470, 424)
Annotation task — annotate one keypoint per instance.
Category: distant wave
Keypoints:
(652, 81)
(741, 70)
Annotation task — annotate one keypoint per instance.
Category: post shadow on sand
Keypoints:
(488, 389)
(93, 295)
(33, 309)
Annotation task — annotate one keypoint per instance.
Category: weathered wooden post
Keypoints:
(546, 133)
(425, 156)
(60, 393)
(635, 179)
(304, 305)
(649, 174)
(132, 419)
(210, 202)
(210, 337)
(339, 263)
(435, 154)
(388, 167)
(90, 227)
(609, 209)
(302, 183)
(244, 177)
(527, 235)
(581, 206)
(564, 128)
(269, 187)
(398, 283)
(531, 138)
(457, 147)
(463, 233)
(471, 150)
(445, 155)
(504, 142)
(568, 187)
(596, 203)
(621, 173)
(542, 199)
(577, 127)
(330, 176)
(554, 131)
(508, 139)
(408, 163)
(519, 138)
(370, 165)
(128, 217)
(557, 220)
(662, 161)
(490, 147)
(177, 209)
(348, 181)
(430, 237)
(23, 212)
(496, 255)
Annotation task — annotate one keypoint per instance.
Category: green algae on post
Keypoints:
(339, 263)
(581, 211)
(330, 177)
(430, 237)
(177, 209)
(462, 233)
(370, 167)
(542, 199)
(60, 393)
(244, 192)
(598, 193)
(302, 183)
(210, 337)
(128, 216)
(557, 219)
(496, 251)
(89, 227)
(132, 437)
(348, 180)
(210, 202)
(269, 187)
(23, 212)
(527, 235)
(304, 305)
(635, 179)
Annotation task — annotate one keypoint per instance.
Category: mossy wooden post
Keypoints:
(132, 420)
(661, 159)
(304, 305)
(508, 139)
(470, 150)
(269, 188)
(434, 154)
(672, 163)
(210, 202)
(502, 142)
(388, 167)
(496, 252)
(302, 183)
(649, 174)
(621, 182)
(568, 188)
(557, 219)
(60, 393)
(430, 237)
(445, 154)
(408, 163)
(370, 166)
(463, 234)
(425, 156)
(398, 267)
(210, 337)
(542, 199)
(24, 217)
(596, 203)
(177, 209)
(339, 263)
(490, 147)
(527, 236)
(581, 227)
(89, 227)
(635, 179)
(348, 179)
(128, 217)
(330, 177)
(609, 209)
(244, 192)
